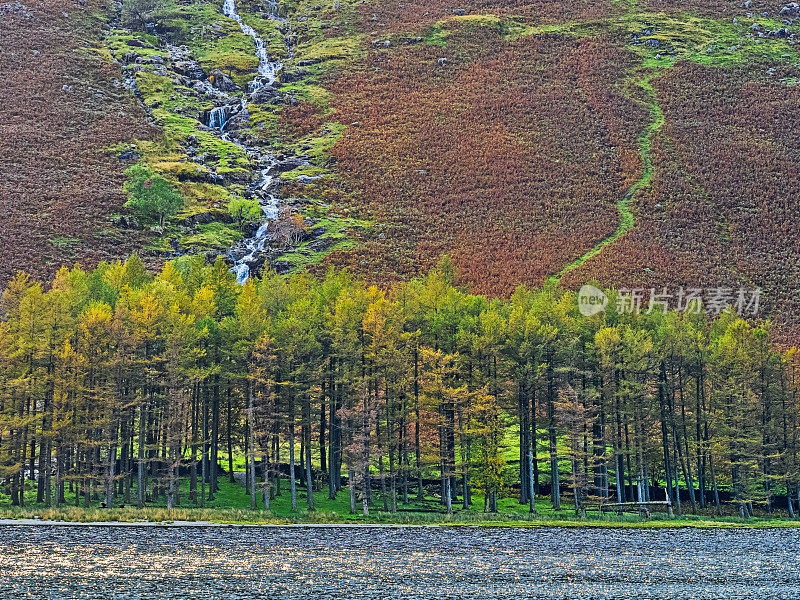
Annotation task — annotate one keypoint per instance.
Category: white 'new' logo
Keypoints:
(591, 300)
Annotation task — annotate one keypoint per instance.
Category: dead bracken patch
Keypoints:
(63, 107)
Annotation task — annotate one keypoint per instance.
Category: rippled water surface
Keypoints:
(291, 563)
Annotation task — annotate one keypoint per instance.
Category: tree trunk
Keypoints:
(207, 445)
(292, 483)
(322, 425)
(193, 467)
(524, 443)
(555, 491)
(229, 435)
(448, 498)
(251, 457)
(141, 461)
(214, 487)
(701, 475)
(309, 471)
(420, 487)
(351, 484)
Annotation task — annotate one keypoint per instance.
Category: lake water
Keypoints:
(295, 563)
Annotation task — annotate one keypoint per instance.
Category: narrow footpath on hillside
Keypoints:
(644, 143)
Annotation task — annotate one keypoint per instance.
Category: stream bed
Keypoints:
(267, 74)
(58, 562)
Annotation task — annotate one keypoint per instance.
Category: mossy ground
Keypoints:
(232, 505)
(335, 234)
(328, 38)
(213, 235)
(218, 43)
(662, 39)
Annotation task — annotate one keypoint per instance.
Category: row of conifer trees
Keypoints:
(124, 387)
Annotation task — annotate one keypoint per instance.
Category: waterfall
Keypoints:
(267, 73)
(266, 69)
(218, 118)
(255, 244)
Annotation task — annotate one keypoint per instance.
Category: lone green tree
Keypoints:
(151, 195)
(244, 211)
(137, 13)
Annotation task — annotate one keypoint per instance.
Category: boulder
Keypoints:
(287, 164)
(128, 155)
(126, 222)
(197, 219)
(282, 266)
(129, 58)
(292, 76)
(204, 88)
(190, 69)
(778, 33)
(222, 82)
(264, 94)
(238, 120)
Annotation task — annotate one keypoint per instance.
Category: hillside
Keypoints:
(64, 108)
(639, 144)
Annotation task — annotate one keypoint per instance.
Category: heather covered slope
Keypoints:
(63, 109)
(636, 144)
(508, 155)
(723, 205)
(697, 107)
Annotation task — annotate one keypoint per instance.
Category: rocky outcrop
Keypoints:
(287, 164)
(778, 33)
(238, 121)
(222, 82)
(190, 69)
(293, 76)
(126, 222)
(264, 94)
(199, 219)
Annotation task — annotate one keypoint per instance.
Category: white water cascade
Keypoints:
(217, 118)
(255, 244)
(267, 74)
(266, 68)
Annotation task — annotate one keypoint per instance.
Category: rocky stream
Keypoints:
(265, 240)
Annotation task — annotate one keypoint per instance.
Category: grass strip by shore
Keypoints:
(207, 517)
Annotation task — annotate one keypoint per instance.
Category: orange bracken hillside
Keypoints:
(508, 155)
(62, 108)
